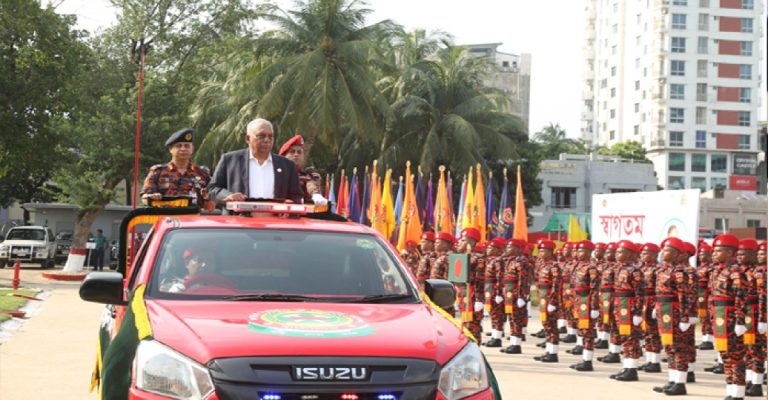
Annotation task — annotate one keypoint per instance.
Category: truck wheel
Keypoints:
(2, 263)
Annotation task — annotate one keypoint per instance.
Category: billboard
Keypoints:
(747, 183)
(646, 216)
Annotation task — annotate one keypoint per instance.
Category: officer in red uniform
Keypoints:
(728, 305)
(494, 295)
(754, 340)
(703, 271)
(567, 265)
(628, 308)
(471, 303)
(180, 177)
(427, 244)
(549, 285)
(693, 314)
(309, 178)
(410, 254)
(514, 297)
(585, 283)
(610, 330)
(671, 310)
(648, 258)
(756, 354)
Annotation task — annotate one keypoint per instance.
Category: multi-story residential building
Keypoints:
(513, 76)
(683, 78)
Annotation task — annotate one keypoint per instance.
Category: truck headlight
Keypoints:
(4, 247)
(464, 375)
(161, 370)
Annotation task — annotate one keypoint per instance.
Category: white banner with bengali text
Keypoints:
(646, 216)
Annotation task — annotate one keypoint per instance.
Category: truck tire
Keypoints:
(2, 263)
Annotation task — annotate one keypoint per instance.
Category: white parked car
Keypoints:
(29, 244)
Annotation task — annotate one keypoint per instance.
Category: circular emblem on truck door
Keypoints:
(308, 323)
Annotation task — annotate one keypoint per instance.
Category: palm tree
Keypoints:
(446, 116)
(553, 141)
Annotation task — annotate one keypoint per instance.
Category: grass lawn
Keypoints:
(12, 302)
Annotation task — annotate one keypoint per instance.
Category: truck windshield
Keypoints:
(26, 234)
(278, 265)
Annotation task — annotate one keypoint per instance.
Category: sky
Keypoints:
(551, 31)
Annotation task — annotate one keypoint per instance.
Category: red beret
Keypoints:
(570, 245)
(652, 247)
(674, 243)
(611, 246)
(763, 245)
(726, 240)
(528, 248)
(471, 233)
(560, 251)
(748, 244)
(519, 243)
(498, 242)
(586, 244)
(704, 248)
(546, 244)
(600, 246)
(411, 243)
(626, 244)
(297, 140)
(690, 248)
(445, 236)
(429, 235)
(480, 247)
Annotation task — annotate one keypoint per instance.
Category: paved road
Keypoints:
(51, 356)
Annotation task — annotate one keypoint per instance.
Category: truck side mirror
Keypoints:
(441, 292)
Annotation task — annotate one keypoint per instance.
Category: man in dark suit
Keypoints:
(255, 172)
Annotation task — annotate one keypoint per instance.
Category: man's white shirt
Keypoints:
(261, 178)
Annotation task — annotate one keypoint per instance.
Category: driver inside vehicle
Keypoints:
(202, 271)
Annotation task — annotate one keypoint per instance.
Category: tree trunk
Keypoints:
(77, 252)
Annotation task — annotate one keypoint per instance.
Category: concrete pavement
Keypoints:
(51, 356)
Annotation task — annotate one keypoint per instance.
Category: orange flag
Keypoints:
(342, 207)
(374, 206)
(478, 211)
(521, 219)
(410, 223)
(443, 217)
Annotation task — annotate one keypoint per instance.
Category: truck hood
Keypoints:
(18, 242)
(206, 330)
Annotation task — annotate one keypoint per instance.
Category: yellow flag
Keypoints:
(478, 211)
(410, 223)
(387, 207)
(521, 217)
(469, 201)
(443, 217)
(575, 233)
(374, 205)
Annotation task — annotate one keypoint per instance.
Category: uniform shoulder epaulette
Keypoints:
(204, 168)
(157, 166)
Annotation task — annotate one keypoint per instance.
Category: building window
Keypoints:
(676, 91)
(753, 223)
(699, 162)
(637, 107)
(677, 68)
(746, 48)
(613, 50)
(637, 85)
(701, 140)
(715, 183)
(676, 138)
(746, 25)
(613, 92)
(745, 71)
(636, 130)
(703, 45)
(678, 45)
(718, 163)
(743, 142)
(613, 71)
(613, 113)
(703, 22)
(679, 2)
(612, 135)
(745, 95)
(676, 115)
(675, 182)
(721, 224)
(615, 28)
(744, 118)
(678, 21)
(701, 92)
(701, 68)
(704, 3)
(677, 161)
(701, 115)
(747, 4)
(698, 182)
(637, 63)
(563, 197)
(603, 83)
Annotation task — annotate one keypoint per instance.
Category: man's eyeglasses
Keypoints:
(264, 138)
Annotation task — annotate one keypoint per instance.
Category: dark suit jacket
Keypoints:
(231, 176)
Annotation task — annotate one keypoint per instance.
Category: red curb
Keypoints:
(58, 276)
(14, 313)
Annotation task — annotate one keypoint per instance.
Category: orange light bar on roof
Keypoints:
(276, 208)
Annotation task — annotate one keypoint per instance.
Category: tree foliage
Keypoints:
(630, 150)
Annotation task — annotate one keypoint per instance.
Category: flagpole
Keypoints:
(138, 129)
